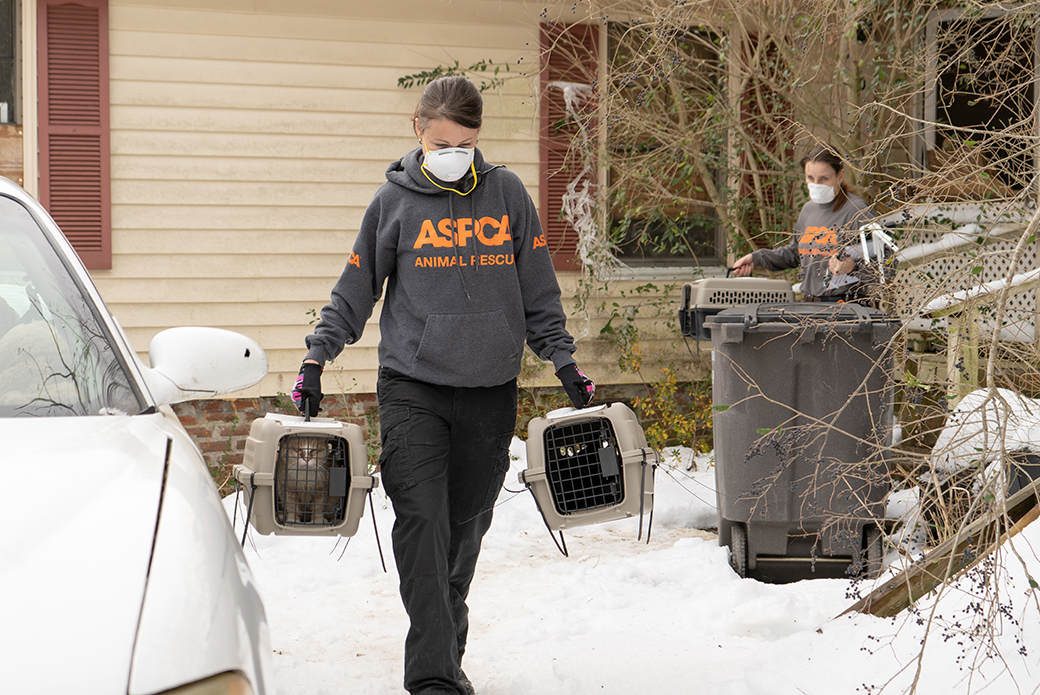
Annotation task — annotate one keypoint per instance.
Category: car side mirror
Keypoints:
(196, 362)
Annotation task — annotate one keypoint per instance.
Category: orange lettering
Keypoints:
(479, 230)
(817, 241)
(354, 259)
(465, 227)
(539, 242)
(501, 237)
(428, 235)
(445, 232)
(445, 228)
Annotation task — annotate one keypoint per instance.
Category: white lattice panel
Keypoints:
(957, 271)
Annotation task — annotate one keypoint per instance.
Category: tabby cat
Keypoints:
(302, 480)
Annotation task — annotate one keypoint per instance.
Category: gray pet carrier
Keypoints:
(589, 466)
(709, 296)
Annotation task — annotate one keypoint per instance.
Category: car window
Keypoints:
(55, 356)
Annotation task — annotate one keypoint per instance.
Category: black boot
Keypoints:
(466, 684)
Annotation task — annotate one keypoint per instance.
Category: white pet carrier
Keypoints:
(709, 296)
(305, 477)
(589, 466)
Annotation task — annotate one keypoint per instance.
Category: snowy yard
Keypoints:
(621, 616)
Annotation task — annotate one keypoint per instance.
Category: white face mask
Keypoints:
(450, 163)
(820, 193)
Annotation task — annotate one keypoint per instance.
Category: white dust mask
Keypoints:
(450, 163)
(820, 193)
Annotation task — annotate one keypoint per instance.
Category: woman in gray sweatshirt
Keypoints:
(458, 245)
(825, 227)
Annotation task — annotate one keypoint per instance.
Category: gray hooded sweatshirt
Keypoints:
(468, 280)
(819, 234)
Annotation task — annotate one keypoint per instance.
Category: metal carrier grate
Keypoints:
(311, 479)
(583, 466)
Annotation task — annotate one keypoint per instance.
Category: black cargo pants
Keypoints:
(445, 456)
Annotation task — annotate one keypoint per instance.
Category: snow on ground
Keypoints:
(620, 616)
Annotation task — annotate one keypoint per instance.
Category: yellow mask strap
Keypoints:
(471, 168)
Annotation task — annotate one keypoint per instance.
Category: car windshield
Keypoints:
(55, 357)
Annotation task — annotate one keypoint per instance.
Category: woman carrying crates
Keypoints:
(458, 245)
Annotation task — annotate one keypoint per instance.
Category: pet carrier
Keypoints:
(589, 466)
(305, 477)
(709, 296)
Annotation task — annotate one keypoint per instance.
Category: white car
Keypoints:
(119, 570)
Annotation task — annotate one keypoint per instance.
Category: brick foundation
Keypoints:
(220, 427)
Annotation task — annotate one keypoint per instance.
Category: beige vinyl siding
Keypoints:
(249, 137)
(655, 318)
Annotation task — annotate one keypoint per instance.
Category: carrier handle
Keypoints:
(561, 544)
(375, 529)
(249, 511)
(642, 493)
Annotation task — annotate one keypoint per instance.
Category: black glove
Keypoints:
(578, 386)
(308, 389)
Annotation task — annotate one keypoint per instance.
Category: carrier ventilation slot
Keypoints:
(739, 297)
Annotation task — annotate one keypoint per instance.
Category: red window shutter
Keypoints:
(569, 55)
(74, 126)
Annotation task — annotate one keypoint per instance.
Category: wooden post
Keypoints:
(962, 353)
(11, 153)
(952, 557)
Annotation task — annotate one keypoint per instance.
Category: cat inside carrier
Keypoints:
(305, 477)
(589, 466)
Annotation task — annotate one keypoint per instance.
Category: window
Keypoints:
(981, 100)
(660, 213)
(663, 85)
(10, 63)
(56, 359)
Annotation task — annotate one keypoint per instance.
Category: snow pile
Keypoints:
(621, 616)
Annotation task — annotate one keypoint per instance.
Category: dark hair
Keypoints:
(455, 99)
(826, 155)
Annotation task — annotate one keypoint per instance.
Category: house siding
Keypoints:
(247, 139)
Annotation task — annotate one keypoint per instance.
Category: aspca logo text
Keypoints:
(817, 241)
(354, 259)
(539, 242)
(464, 261)
(487, 230)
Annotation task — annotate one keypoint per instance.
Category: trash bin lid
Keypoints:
(799, 313)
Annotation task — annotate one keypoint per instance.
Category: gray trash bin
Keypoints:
(803, 421)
